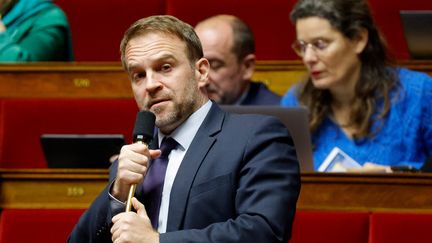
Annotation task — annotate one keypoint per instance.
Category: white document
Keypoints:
(338, 161)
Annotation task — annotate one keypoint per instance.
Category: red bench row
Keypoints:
(23, 121)
(309, 227)
(98, 26)
(361, 227)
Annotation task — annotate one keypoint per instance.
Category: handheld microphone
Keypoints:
(142, 133)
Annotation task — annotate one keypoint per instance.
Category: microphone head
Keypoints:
(144, 127)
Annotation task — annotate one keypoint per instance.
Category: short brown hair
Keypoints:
(168, 25)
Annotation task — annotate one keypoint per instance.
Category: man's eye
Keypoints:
(138, 76)
(166, 67)
(215, 65)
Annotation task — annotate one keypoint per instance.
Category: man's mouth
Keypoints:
(156, 102)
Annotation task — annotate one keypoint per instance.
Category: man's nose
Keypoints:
(153, 81)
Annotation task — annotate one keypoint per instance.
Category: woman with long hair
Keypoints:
(359, 102)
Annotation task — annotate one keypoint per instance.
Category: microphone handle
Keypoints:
(131, 190)
(130, 196)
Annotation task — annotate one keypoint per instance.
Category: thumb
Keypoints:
(155, 153)
(139, 207)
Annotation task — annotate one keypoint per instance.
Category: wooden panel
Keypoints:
(64, 80)
(44, 188)
(67, 188)
(419, 65)
(109, 80)
(279, 75)
(366, 192)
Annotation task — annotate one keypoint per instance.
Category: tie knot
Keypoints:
(168, 144)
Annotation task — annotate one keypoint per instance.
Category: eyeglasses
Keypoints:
(318, 46)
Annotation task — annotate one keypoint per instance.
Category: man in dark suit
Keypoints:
(228, 44)
(230, 178)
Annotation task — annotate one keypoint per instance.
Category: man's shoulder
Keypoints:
(260, 94)
(233, 123)
(251, 122)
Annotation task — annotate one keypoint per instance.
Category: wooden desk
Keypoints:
(45, 188)
(62, 188)
(366, 192)
(108, 80)
(64, 80)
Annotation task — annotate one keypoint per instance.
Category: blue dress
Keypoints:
(405, 137)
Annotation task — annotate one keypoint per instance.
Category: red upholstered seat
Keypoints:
(37, 225)
(98, 26)
(330, 227)
(25, 120)
(400, 228)
(386, 14)
(268, 19)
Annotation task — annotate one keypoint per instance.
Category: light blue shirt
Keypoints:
(184, 134)
(405, 137)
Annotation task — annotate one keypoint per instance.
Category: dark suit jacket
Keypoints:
(259, 94)
(238, 182)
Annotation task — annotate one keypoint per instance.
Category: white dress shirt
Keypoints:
(184, 135)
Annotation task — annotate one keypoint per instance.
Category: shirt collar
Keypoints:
(185, 133)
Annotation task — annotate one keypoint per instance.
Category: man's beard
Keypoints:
(215, 95)
(177, 112)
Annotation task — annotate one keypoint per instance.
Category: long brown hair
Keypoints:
(377, 79)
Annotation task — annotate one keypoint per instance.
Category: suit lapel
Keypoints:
(201, 144)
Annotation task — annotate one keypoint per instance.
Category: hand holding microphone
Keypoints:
(142, 133)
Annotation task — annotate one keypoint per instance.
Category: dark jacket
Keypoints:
(259, 94)
(238, 182)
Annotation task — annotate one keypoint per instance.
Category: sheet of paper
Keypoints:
(338, 161)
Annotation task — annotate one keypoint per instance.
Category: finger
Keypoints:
(137, 153)
(115, 234)
(114, 229)
(139, 207)
(132, 169)
(140, 148)
(132, 165)
(119, 220)
(155, 153)
(366, 164)
(117, 217)
(130, 172)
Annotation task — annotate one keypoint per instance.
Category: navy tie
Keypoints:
(154, 180)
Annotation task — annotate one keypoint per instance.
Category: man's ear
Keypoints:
(202, 68)
(248, 66)
(361, 41)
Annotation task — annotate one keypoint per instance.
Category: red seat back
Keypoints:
(330, 227)
(37, 225)
(386, 14)
(400, 228)
(25, 120)
(269, 20)
(98, 26)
